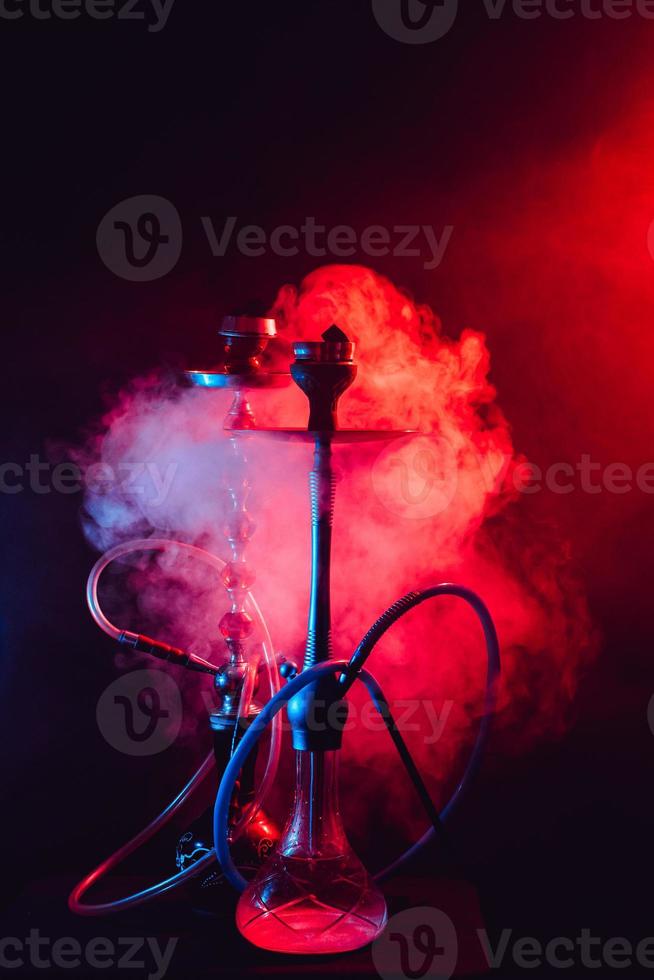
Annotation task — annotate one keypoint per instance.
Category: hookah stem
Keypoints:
(322, 484)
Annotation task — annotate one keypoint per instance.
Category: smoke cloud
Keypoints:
(441, 505)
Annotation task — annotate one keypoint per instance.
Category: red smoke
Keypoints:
(441, 506)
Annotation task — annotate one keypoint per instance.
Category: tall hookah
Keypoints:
(307, 891)
(315, 895)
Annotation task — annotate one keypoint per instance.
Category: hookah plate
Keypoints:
(342, 436)
(243, 382)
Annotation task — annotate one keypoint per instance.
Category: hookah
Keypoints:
(243, 340)
(307, 891)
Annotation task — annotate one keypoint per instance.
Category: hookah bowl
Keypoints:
(314, 895)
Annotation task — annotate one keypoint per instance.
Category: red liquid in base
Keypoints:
(303, 906)
(314, 894)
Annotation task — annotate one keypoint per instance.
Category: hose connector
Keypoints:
(317, 716)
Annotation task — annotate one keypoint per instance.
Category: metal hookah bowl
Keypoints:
(243, 340)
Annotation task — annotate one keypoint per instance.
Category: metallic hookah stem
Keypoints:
(322, 485)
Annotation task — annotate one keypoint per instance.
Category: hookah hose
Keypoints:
(351, 671)
(145, 644)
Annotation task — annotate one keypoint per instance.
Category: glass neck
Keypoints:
(314, 828)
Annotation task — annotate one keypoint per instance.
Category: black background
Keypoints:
(271, 112)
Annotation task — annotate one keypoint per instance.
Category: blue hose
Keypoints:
(352, 671)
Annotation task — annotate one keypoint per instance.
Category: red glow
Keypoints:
(440, 508)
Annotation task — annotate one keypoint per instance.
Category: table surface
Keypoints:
(209, 945)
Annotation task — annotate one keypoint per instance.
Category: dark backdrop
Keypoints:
(272, 112)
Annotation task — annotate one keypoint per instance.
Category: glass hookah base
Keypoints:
(302, 905)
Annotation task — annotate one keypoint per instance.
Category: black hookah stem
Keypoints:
(323, 370)
(322, 485)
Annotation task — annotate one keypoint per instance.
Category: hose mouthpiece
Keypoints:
(162, 651)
